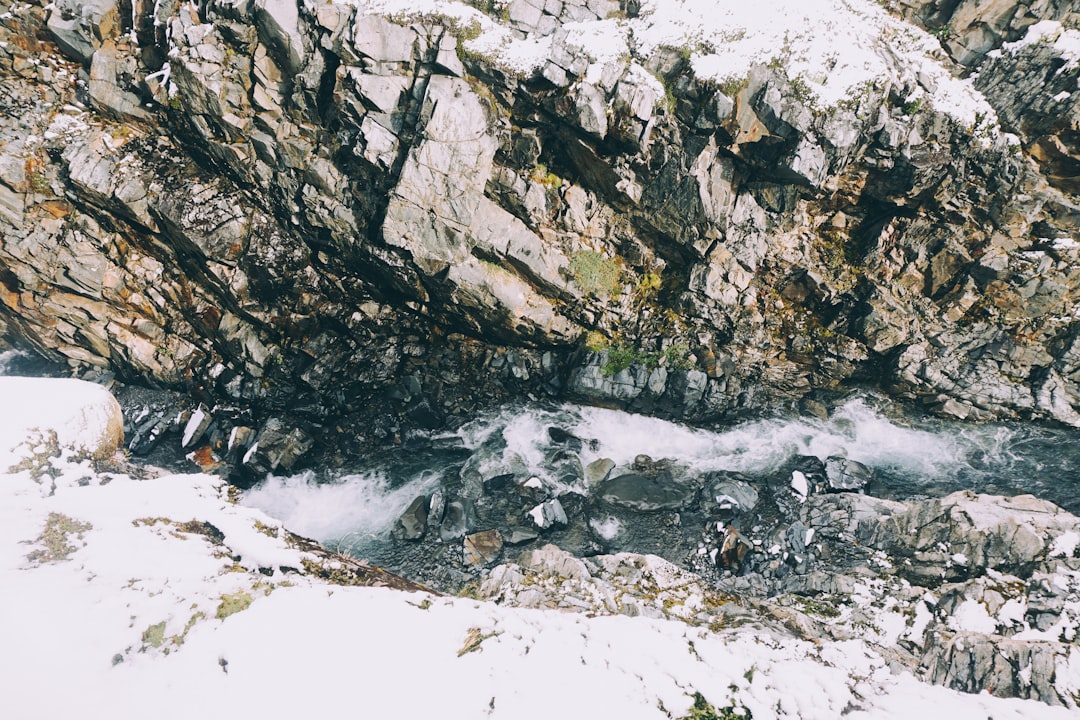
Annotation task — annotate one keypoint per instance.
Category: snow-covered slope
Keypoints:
(132, 598)
(834, 47)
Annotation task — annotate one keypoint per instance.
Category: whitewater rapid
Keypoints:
(911, 457)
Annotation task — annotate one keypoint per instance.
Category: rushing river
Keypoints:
(911, 457)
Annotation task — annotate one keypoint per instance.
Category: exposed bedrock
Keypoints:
(321, 211)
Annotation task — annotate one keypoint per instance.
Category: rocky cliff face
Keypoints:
(358, 208)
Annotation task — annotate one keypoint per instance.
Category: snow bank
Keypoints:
(85, 418)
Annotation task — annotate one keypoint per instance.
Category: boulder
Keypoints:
(645, 494)
(458, 521)
(548, 515)
(412, 523)
(53, 416)
(483, 548)
(843, 475)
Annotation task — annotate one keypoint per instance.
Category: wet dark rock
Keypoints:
(277, 447)
(843, 475)
(498, 483)
(597, 471)
(521, 535)
(729, 492)
(412, 523)
(458, 521)
(644, 493)
(534, 489)
(564, 438)
(436, 507)
(547, 515)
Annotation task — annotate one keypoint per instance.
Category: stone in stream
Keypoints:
(843, 475)
(482, 548)
(565, 439)
(412, 523)
(646, 494)
(521, 535)
(729, 492)
(548, 514)
(499, 482)
(436, 507)
(459, 520)
(598, 471)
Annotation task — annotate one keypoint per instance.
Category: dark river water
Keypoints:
(911, 457)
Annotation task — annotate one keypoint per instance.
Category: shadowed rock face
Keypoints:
(336, 214)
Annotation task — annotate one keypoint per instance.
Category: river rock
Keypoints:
(459, 519)
(598, 470)
(412, 523)
(548, 514)
(642, 493)
(843, 475)
(482, 548)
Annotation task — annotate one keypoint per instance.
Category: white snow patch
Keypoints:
(81, 414)
(971, 615)
(192, 425)
(608, 528)
(834, 46)
(1065, 545)
(799, 484)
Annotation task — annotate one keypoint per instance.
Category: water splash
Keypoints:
(348, 510)
(911, 456)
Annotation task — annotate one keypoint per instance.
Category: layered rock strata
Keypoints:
(327, 208)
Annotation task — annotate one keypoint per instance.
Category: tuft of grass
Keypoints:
(54, 538)
(541, 174)
(232, 603)
(473, 640)
(619, 358)
(595, 273)
(154, 636)
(702, 710)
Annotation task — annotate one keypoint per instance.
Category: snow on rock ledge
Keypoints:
(79, 416)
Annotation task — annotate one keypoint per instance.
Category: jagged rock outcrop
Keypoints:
(330, 211)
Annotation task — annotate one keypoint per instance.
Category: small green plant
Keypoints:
(801, 91)
(154, 636)
(55, 538)
(943, 33)
(232, 603)
(913, 106)
(595, 273)
(541, 174)
(702, 710)
(619, 358)
(733, 85)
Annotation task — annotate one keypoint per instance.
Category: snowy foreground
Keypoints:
(126, 597)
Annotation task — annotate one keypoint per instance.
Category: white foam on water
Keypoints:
(353, 507)
(856, 430)
(915, 455)
(6, 357)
